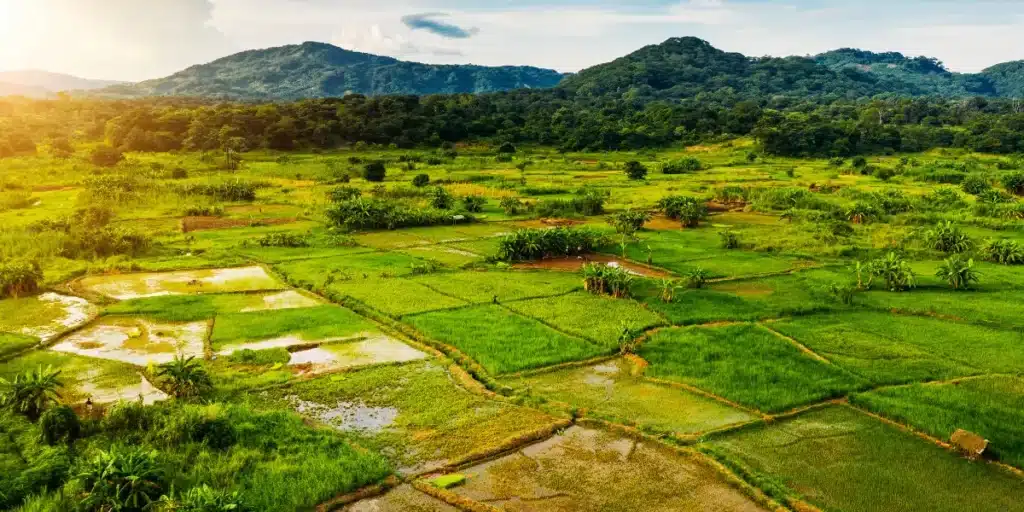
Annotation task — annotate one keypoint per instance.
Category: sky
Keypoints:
(140, 39)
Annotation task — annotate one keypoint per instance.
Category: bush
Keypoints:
(106, 156)
(128, 417)
(683, 166)
(338, 194)
(202, 211)
(507, 148)
(441, 199)
(1004, 251)
(474, 204)
(635, 170)
(602, 279)
(894, 270)
(975, 184)
(60, 425)
(234, 190)
(536, 244)
(1014, 183)
(421, 180)
(629, 222)
(884, 173)
(959, 273)
(513, 206)
(687, 210)
(291, 240)
(587, 202)
(266, 357)
(730, 239)
(859, 162)
(19, 278)
(123, 479)
(948, 238)
(388, 214)
(374, 172)
(207, 499)
(696, 278)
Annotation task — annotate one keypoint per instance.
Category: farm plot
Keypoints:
(413, 412)
(483, 287)
(840, 459)
(135, 286)
(597, 318)
(353, 354)
(190, 308)
(746, 364)
(613, 391)
(44, 316)
(583, 469)
(992, 407)
(894, 349)
(136, 340)
(100, 380)
(393, 297)
(287, 327)
(401, 499)
(503, 341)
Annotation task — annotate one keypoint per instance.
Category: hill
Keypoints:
(686, 67)
(36, 83)
(314, 70)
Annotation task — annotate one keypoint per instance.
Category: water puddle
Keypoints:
(136, 286)
(55, 314)
(353, 354)
(348, 416)
(135, 341)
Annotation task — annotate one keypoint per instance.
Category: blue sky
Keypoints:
(134, 39)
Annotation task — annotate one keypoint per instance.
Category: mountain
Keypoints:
(686, 67)
(313, 70)
(35, 83)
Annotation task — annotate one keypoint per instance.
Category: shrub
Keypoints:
(15, 200)
(948, 238)
(421, 180)
(202, 211)
(859, 162)
(586, 202)
(441, 199)
(842, 292)
(507, 147)
(687, 210)
(206, 499)
(629, 222)
(234, 190)
(388, 214)
(696, 278)
(512, 206)
(185, 377)
(60, 425)
(603, 279)
(895, 271)
(19, 278)
(31, 393)
(503, 158)
(282, 240)
(474, 204)
(635, 170)
(1004, 251)
(730, 239)
(884, 173)
(338, 194)
(683, 165)
(975, 184)
(959, 273)
(123, 479)
(128, 417)
(105, 156)
(536, 244)
(1014, 183)
(374, 172)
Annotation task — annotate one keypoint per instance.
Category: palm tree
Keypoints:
(31, 393)
(184, 377)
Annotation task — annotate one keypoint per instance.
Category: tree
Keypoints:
(629, 222)
(441, 199)
(374, 172)
(506, 148)
(956, 271)
(185, 377)
(60, 425)
(1014, 182)
(636, 170)
(421, 180)
(688, 210)
(474, 204)
(32, 392)
(696, 278)
(106, 156)
(896, 272)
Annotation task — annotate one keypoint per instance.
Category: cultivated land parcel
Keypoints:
(795, 334)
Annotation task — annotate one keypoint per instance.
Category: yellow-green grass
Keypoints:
(746, 364)
(444, 254)
(282, 254)
(610, 391)
(434, 421)
(893, 349)
(482, 287)
(393, 297)
(594, 317)
(76, 372)
(131, 286)
(839, 459)
(14, 343)
(992, 407)
(999, 307)
(351, 266)
(190, 308)
(503, 341)
(308, 324)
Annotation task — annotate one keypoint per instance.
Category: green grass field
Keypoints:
(308, 324)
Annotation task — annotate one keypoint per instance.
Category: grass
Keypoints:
(311, 324)
(483, 287)
(394, 297)
(590, 316)
(502, 341)
(75, 371)
(895, 349)
(185, 308)
(746, 364)
(840, 459)
(611, 392)
(992, 407)
(13, 343)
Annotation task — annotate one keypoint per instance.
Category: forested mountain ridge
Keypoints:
(317, 70)
(43, 84)
(687, 66)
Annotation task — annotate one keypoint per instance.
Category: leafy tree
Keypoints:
(687, 210)
(1014, 182)
(374, 172)
(895, 271)
(441, 199)
(32, 392)
(512, 205)
(474, 204)
(105, 156)
(184, 377)
(421, 180)
(629, 222)
(697, 278)
(956, 271)
(19, 278)
(60, 425)
(506, 148)
(636, 170)
(668, 289)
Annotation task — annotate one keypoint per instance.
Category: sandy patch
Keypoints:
(74, 312)
(378, 350)
(136, 341)
(290, 299)
(574, 264)
(136, 286)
